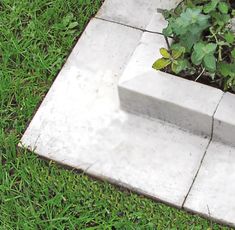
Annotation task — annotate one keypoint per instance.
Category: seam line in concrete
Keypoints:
(132, 27)
(211, 138)
(212, 125)
(194, 179)
(213, 117)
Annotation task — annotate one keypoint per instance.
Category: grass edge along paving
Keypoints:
(35, 39)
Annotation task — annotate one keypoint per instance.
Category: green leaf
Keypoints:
(220, 19)
(223, 7)
(210, 48)
(192, 20)
(188, 26)
(189, 39)
(209, 62)
(161, 63)
(164, 52)
(229, 37)
(177, 50)
(174, 68)
(197, 58)
(201, 50)
(198, 54)
(167, 32)
(179, 65)
(176, 53)
(210, 6)
(223, 69)
(177, 46)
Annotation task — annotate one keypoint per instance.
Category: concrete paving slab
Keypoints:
(136, 13)
(143, 90)
(80, 123)
(212, 194)
(224, 122)
(145, 54)
(157, 23)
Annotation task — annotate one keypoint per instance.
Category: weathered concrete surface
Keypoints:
(146, 53)
(80, 124)
(136, 13)
(143, 90)
(213, 192)
(224, 120)
(157, 23)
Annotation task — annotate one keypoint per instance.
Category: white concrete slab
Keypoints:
(145, 54)
(224, 122)
(143, 90)
(136, 13)
(213, 192)
(157, 23)
(81, 125)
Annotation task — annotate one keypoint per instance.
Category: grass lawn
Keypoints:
(35, 38)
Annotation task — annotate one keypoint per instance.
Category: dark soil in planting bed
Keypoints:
(216, 83)
(203, 47)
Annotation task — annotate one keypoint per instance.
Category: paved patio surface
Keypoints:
(80, 123)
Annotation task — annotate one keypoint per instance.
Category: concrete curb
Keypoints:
(224, 122)
(195, 107)
(142, 90)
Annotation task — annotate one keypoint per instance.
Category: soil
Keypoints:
(216, 83)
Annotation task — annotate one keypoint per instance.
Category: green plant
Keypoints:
(173, 59)
(34, 194)
(201, 30)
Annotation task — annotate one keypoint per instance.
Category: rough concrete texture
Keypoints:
(80, 124)
(136, 13)
(146, 53)
(143, 90)
(224, 122)
(157, 23)
(213, 192)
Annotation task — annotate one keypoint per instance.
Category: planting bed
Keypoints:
(202, 46)
(192, 106)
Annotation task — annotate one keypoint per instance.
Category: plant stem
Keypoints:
(200, 74)
(167, 42)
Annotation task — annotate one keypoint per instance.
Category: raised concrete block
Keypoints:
(157, 23)
(81, 125)
(136, 13)
(146, 53)
(185, 103)
(212, 194)
(224, 121)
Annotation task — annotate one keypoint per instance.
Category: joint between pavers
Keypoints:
(132, 27)
(186, 197)
(213, 116)
(211, 139)
(119, 23)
